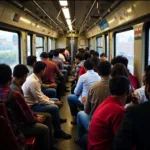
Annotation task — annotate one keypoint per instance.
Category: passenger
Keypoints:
(38, 102)
(19, 76)
(108, 115)
(134, 130)
(95, 61)
(95, 54)
(67, 55)
(96, 94)
(81, 90)
(49, 76)
(61, 56)
(124, 60)
(83, 70)
(50, 56)
(103, 57)
(31, 60)
(19, 113)
(48, 89)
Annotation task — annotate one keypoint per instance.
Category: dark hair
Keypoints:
(120, 59)
(119, 85)
(56, 53)
(104, 68)
(20, 71)
(119, 70)
(147, 69)
(61, 50)
(147, 78)
(87, 55)
(66, 47)
(50, 55)
(39, 66)
(95, 53)
(88, 64)
(5, 74)
(102, 55)
(31, 60)
(95, 61)
(91, 52)
(44, 55)
(79, 56)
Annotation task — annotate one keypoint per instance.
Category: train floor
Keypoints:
(67, 127)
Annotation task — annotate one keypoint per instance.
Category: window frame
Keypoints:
(97, 42)
(19, 40)
(42, 42)
(31, 43)
(106, 52)
(48, 44)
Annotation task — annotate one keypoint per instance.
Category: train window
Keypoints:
(39, 46)
(124, 45)
(107, 45)
(29, 45)
(89, 44)
(9, 48)
(50, 44)
(99, 44)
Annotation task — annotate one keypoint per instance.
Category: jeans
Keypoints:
(65, 73)
(51, 109)
(83, 120)
(84, 141)
(39, 130)
(50, 92)
(73, 102)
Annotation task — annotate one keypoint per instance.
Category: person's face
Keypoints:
(77, 60)
(144, 77)
(103, 58)
(23, 79)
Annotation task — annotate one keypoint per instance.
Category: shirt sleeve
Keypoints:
(38, 94)
(56, 69)
(23, 109)
(124, 139)
(79, 87)
(87, 107)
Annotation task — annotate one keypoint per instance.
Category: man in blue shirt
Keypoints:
(81, 91)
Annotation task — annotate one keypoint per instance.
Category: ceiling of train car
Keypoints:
(78, 11)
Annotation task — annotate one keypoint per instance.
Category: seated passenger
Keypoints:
(81, 91)
(50, 56)
(38, 102)
(124, 60)
(134, 130)
(20, 115)
(50, 75)
(96, 94)
(48, 89)
(108, 115)
(83, 70)
(67, 55)
(19, 76)
(103, 57)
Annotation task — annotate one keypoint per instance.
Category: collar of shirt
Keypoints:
(105, 78)
(114, 99)
(45, 59)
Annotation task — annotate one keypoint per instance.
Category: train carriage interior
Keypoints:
(74, 74)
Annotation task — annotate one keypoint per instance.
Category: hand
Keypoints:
(40, 118)
(53, 85)
(135, 99)
(59, 103)
(83, 100)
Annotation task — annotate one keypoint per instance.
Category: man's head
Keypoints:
(79, 57)
(103, 57)
(146, 71)
(50, 55)
(88, 64)
(104, 68)
(56, 53)
(120, 59)
(119, 86)
(95, 54)
(39, 68)
(5, 74)
(44, 55)
(67, 48)
(20, 72)
(31, 60)
(87, 55)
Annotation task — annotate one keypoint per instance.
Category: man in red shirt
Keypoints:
(108, 115)
(50, 74)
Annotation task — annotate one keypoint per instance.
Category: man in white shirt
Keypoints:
(39, 102)
(81, 91)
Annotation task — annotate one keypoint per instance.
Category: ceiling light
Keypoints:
(66, 13)
(70, 28)
(63, 2)
(25, 20)
(68, 22)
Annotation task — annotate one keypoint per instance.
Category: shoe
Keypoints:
(78, 142)
(62, 135)
(63, 120)
(74, 122)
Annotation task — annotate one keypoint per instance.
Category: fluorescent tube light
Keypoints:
(25, 20)
(70, 28)
(68, 22)
(63, 3)
(66, 13)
